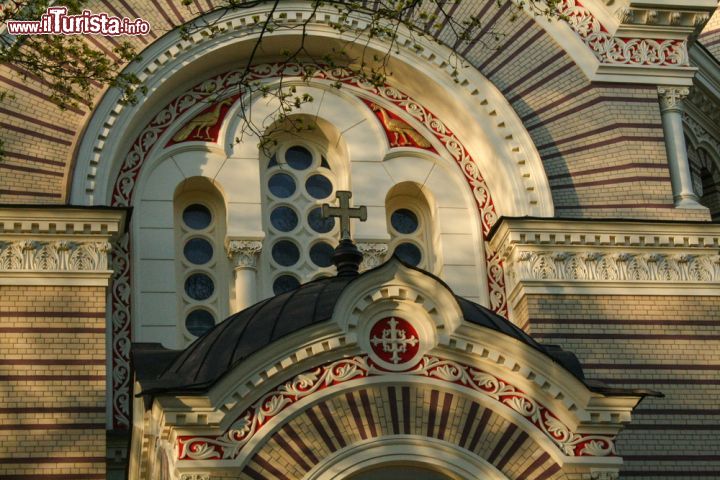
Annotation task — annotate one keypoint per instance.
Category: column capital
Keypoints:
(671, 98)
(373, 254)
(243, 253)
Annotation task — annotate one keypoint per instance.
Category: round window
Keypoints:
(281, 185)
(409, 253)
(199, 286)
(197, 216)
(298, 157)
(321, 254)
(318, 186)
(285, 253)
(198, 251)
(199, 322)
(404, 221)
(319, 223)
(284, 219)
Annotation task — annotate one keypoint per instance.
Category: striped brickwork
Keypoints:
(668, 344)
(382, 411)
(602, 144)
(52, 381)
(710, 36)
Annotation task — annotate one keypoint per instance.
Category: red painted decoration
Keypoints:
(399, 132)
(394, 340)
(205, 126)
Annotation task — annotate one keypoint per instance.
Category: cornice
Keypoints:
(57, 246)
(40, 221)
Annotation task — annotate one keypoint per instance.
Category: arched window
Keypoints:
(299, 242)
(410, 224)
(201, 266)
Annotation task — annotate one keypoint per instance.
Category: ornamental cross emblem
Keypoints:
(344, 212)
(394, 340)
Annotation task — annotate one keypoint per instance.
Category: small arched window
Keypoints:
(297, 180)
(410, 224)
(202, 270)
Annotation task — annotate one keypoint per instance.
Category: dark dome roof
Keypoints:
(206, 360)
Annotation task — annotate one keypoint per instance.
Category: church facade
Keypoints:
(533, 291)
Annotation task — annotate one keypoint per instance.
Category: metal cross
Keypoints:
(344, 212)
(393, 340)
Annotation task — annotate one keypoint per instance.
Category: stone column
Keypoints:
(244, 254)
(671, 106)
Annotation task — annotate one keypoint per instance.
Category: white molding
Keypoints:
(63, 246)
(61, 279)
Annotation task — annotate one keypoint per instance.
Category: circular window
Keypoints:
(281, 185)
(199, 322)
(285, 253)
(285, 283)
(197, 216)
(199, 286)
(321, 254)
(298, 158)
(198, 251)
(318, 186)
(284, 219)
(409, 253)
(319, 223)
(404, 221)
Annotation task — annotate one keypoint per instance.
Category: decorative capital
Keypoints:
(671, 97)
(244, 253)
(373, 254)
(194, 476)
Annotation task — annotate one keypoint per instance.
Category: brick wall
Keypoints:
(668, 344)
(52, 382)
(710, 36)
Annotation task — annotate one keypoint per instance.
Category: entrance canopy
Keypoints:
(348, 373)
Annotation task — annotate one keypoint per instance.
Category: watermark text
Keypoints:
(56, 21)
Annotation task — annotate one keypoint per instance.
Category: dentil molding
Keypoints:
(605, 257)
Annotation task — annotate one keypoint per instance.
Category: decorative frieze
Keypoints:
(600, 255)
(38, 256)
(68, 246)
(610, 49)
(589, 265)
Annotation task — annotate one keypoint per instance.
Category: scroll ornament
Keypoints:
(229, 444)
